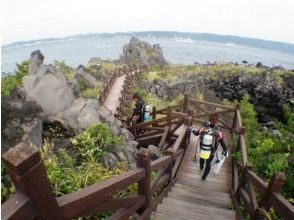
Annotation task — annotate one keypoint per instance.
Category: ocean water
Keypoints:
(79, 50)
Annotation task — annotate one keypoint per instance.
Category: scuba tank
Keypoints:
(146, 112)
(206, 143)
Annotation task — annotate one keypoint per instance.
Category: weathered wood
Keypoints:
(180, 138)
(148, 123)
(246, 200)
(185, 104)
(146, 214)
(216, 112)
(243, 149)
(143, 161)
(275, 185)
(76, 203)
(164, 137)
(18, 207)
(209, 104)
(125, 212)
(146, 141)
(113, 204)
(25, 162)
(236, 205)
(154, 112)
(160, 162)
(170, 152)
(159, 183)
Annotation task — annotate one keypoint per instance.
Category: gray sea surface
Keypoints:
(79, 50)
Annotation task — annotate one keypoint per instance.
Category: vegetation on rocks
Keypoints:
(270, 150)
(12, 81)
(67, 71)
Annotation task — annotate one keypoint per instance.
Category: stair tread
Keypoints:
(207, 187)
(212, 197)
(198, 208)
(184, 213)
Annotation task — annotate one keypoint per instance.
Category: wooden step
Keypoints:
(205, 185)
(161, 216)
(218, 179)
(203, 198)
(184, 213)
(200, 209)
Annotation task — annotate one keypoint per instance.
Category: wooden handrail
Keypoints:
(25, 165)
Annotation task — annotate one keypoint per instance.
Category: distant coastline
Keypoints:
(245, 41)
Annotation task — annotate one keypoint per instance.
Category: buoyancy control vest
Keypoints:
(146, 112)
(208, 141)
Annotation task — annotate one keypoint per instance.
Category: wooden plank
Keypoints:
(146, 141)
(164, 136)
(125, 212)
(180, 138)
(160, 182)
(282, 205)
(18, 207)
(216, 112)
(146, 214)
(25, 164)
(148, 123)
(210, 104)
(246, 200)
(113, 204)
(160, 162)
(143, 161)
(74, 204)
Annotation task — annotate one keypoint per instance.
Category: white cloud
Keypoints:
(33, 19)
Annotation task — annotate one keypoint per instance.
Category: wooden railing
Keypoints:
(245, 181)
(121, 71)
(126, 93)
(34, 196)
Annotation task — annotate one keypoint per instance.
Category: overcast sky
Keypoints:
(35, 19)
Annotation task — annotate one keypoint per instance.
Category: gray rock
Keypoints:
(155, 152)
(110, 160)
(37, 59)
(81, 114)
(33, 132)
(141, 52)
(50, 89)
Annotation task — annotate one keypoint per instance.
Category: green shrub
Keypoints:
(96, 140)
(68, 73)
(12, 81)
(92, 92)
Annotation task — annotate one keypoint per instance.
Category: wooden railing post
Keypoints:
(144, 161)
(185, 104)
(170, 152)
(275, 185)
(169, 116)
(154, 112)
(29, 176)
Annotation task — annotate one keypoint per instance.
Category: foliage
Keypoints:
(96, 140)
(12, 81)
(92, 92)
(68, 73)
(267, 151)
(7, 188)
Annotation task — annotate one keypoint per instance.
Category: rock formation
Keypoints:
(140, 52)
(47, 97)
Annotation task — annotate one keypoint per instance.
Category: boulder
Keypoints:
(48, 88)
(140, 52)
(37, 59)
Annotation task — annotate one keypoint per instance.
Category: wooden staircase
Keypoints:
(193, 198)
